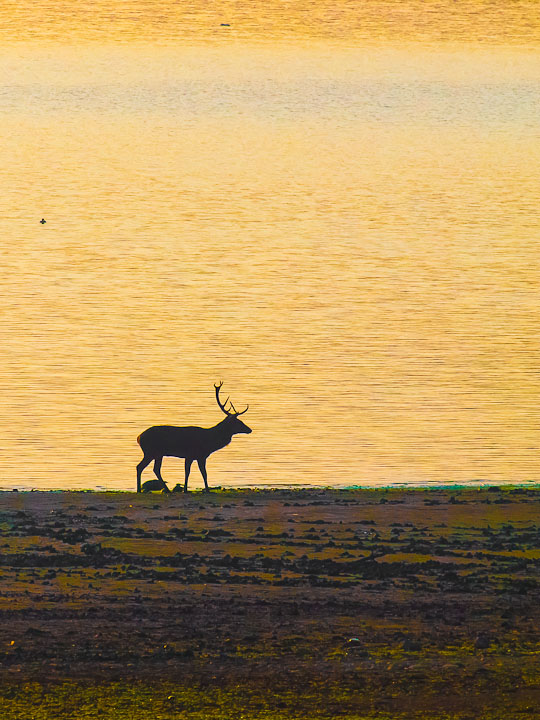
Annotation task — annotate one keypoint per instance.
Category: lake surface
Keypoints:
(332, 207)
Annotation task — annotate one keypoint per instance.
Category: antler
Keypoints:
(239, 413)
(222, 405)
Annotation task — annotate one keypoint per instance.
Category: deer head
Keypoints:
(236, 425)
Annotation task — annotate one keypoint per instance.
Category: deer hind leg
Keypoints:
(202, 467)
(147, 459)
(187, 468)
(157, 472)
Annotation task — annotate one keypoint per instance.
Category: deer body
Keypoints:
(191, 443)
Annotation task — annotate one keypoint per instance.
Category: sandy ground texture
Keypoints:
(278, 604)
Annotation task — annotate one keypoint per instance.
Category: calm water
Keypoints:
(331, 206)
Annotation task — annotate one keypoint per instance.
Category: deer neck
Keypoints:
(221, 435)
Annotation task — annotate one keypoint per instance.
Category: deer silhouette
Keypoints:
(191, 443)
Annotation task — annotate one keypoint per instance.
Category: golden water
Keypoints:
(330, 206)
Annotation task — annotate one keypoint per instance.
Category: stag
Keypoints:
(191, 443)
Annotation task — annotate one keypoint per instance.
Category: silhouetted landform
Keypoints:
(271, 604)
(191, 443)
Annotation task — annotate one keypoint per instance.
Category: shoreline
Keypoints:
(473, 485)
(278, 604)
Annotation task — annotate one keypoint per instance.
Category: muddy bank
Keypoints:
(359, 603)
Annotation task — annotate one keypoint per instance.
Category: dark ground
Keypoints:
(271, 604)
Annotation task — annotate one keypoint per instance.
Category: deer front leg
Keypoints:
(202, 467)
(188, 468)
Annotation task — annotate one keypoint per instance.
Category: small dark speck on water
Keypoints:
(225, 25)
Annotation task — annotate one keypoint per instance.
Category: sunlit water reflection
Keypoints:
(341, 225)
